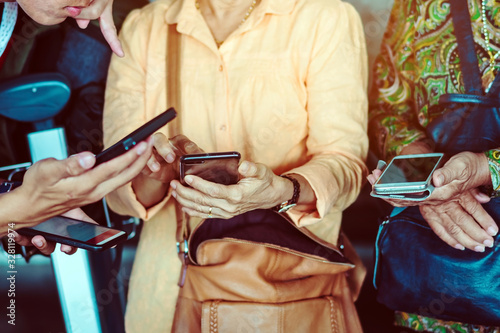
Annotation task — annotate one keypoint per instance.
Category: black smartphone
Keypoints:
(221, 168)
(140, 134)
(85, 235)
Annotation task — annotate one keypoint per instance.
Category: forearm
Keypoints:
(14, 209)
(418, 147)
(149, 191)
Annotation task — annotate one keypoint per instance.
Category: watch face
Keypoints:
(285, 208)
(5, 187)
(8, 186)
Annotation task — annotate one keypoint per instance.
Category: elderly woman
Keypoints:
(420, 61)
(281, 82)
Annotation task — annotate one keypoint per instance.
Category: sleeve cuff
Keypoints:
(124, 201)
(494, 166)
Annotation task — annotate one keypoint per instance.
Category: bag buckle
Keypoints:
(182, 252)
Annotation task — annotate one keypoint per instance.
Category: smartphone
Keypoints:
(408, 176)
(140, 134)
(85, 235)
(221, 168)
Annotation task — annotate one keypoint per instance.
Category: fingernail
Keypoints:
(189, 146)
(38, 243)
(488, 243)
(492, 231)
(173, 185)
(479, 248)
(155, 166)
(439, 180)
(244, 166)
(170, 158)
(141, 148)
(86, 161)
(460, 247)
(483, 195)
(174, 194)
(188, 179)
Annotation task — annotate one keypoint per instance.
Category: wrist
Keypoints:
(14, 208)
(292, 193)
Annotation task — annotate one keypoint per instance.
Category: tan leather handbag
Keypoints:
(258, 272)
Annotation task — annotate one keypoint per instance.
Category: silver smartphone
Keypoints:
(408, 177)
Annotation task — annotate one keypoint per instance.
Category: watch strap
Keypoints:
(286, 205)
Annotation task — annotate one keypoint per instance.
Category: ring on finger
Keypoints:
(210, 212)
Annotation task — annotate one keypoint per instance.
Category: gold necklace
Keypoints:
(490, 73)
(247, 14)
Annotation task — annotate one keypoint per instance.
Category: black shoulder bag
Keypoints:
(470, 121)
(415, 271)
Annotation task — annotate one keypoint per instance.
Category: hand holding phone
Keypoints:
(407, 177)
(140, 134)
(221, 168)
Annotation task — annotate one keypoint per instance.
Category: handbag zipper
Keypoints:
(297, 253)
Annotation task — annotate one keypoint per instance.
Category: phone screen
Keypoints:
(409, 170)
(221, 168)
(85, 232)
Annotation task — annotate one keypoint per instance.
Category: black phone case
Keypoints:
(221, 168)
(140, 134)
(72, 242)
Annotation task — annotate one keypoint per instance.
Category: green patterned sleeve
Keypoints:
(393, 121)
(494, 165)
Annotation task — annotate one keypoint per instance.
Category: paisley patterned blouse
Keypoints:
(418, 63)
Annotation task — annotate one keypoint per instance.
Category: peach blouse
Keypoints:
(287, 88)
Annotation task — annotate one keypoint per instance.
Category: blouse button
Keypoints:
(222, 128)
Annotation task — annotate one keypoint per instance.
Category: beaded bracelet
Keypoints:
(494, 166)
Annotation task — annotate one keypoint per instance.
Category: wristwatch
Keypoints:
(286, 205)
(8, 186)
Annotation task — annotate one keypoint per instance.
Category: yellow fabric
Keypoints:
(287, 89)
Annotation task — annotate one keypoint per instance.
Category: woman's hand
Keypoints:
(454, 209)
(162, 167)
(48, 247)
(103, 10)
(52, 187)
(461, 222)
(259, 188)
(463, 172)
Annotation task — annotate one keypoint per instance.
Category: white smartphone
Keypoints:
(408, 177)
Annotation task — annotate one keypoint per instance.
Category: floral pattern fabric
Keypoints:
(417, 64)
(425, 324)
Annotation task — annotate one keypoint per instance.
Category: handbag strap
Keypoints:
(173, 66)
(495, 87)
(466, 47)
